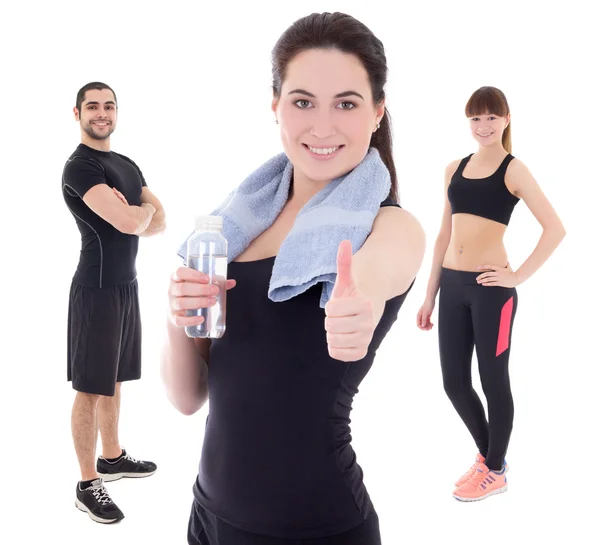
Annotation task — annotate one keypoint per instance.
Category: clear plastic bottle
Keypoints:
(207, 253)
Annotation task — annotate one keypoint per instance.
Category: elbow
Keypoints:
(563, 232)
(557, 233)
(185, 404)
(183, 399)
(191, 404)
(188, 409)
(160, 228)
(161, 220)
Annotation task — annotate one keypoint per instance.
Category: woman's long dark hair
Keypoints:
(344, 33)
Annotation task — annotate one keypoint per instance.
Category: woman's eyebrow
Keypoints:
(339, 95)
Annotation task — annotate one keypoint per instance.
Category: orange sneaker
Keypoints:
(483, 483)
(479, 459)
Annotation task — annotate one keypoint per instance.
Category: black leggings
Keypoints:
(206, 529)
(481, 317)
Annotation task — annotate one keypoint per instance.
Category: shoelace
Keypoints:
(472, 469)
(477, 478)
(101, 495)
(131, 459)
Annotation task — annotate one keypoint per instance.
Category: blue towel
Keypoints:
(343, 210)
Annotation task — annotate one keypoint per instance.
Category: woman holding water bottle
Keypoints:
(307, 314)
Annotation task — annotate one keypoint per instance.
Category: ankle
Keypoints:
(88, 476)
(112, 453)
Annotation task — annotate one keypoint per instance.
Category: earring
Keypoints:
(378, 125)
(277, 121)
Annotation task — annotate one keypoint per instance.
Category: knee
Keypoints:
(496, 387)
(455, 388)
(90, 400)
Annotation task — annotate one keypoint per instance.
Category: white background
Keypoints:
(193, 86)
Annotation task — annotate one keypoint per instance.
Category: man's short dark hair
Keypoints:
(98, 86)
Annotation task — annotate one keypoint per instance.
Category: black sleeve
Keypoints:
(81, 174)
(144, 184)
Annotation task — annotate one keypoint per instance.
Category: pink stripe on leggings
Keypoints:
(504, 332)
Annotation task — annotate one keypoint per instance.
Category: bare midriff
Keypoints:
(475, 241)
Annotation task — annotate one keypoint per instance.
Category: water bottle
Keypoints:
(207, 253)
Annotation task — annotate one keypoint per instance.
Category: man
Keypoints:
(112, 206)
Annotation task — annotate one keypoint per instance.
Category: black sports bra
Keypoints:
(486, 197)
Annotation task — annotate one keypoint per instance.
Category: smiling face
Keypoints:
(326, 113)
(487, 129)
(97, 115)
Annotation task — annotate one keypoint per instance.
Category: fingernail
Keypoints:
(214, 289)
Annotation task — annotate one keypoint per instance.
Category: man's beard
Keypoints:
(89, 130)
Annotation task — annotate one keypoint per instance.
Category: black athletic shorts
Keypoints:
(104, 337)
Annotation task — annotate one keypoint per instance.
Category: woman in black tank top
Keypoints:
(277, 465)
(478, 297)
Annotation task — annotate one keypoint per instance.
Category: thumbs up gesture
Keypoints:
(349, 321)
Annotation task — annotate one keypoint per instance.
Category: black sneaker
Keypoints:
(95, 501)
(124, 466)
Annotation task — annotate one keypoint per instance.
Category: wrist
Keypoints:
(518, 278)
(144, 218)
(176, 333)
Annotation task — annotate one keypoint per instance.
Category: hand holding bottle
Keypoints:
(189, 289)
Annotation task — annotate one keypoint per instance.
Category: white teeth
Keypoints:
(323, 151)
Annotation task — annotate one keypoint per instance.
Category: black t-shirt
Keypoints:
(107, 256)
(277, 458)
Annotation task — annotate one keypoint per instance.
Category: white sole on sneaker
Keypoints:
(491, 493)
(107, 477)
(83, 508)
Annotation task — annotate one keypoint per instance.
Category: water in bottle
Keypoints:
(207, 253)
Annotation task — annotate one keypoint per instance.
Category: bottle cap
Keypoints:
(209, 222)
